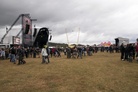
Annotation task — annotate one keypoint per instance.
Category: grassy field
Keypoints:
(102, 72)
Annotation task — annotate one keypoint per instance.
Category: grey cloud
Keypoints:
(112, 18)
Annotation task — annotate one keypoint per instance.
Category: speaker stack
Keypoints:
(27, 28)
(116, 41)
(35, 31)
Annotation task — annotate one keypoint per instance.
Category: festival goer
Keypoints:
(90, 51)
(3, 53)
(20, 53)
(130, 53)
(133, 51)
(137, 52)
(34, 52)
(44, 53)
(84, 51)
(122, 50)
(68, 52)
(79, 52)
(13, 53)
(65, 52)
(0, 52)
(26, 52)
(6, 53)
(74, 53)
(57, 53)
(126, 52)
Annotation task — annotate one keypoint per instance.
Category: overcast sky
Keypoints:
(95, 21)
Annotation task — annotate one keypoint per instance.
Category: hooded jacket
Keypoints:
(44, 52)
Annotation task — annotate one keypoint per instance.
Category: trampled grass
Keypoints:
(102, 72)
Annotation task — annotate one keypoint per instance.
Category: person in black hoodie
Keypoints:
(13, 53)
(130, 52)
(122, 50)
(127, 52)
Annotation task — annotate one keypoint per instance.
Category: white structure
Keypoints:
(121, 40)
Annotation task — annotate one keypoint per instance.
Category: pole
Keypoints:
(47, 39)
(78, 36)
(67, 37)
(7, 31)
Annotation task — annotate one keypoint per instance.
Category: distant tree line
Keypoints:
(57, 44)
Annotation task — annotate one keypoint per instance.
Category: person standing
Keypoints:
(127, 52)
(34, 52)
(20, 52)
(3, 53)
(13, 53)
(68, 50)
(79, 52)
(136, 52)
(44, 53)
(122, 50)
(130, 53)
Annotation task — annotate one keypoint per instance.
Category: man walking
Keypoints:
(44, 53)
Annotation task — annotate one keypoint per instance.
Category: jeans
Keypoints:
(79, 55)
(13, 58)
(44, 59)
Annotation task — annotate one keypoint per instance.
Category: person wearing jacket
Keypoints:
(20, 54)
(122, 50)
(136, 51)
(44, 53)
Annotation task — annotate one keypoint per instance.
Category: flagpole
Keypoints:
(67, 37)
(78, 36)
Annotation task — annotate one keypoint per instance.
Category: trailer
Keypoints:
(120, 40)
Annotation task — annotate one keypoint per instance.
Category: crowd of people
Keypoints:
(79, 51)
(17, 54)
(129, 52)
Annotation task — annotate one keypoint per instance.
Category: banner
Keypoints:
(16, 40)
(27, 31)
